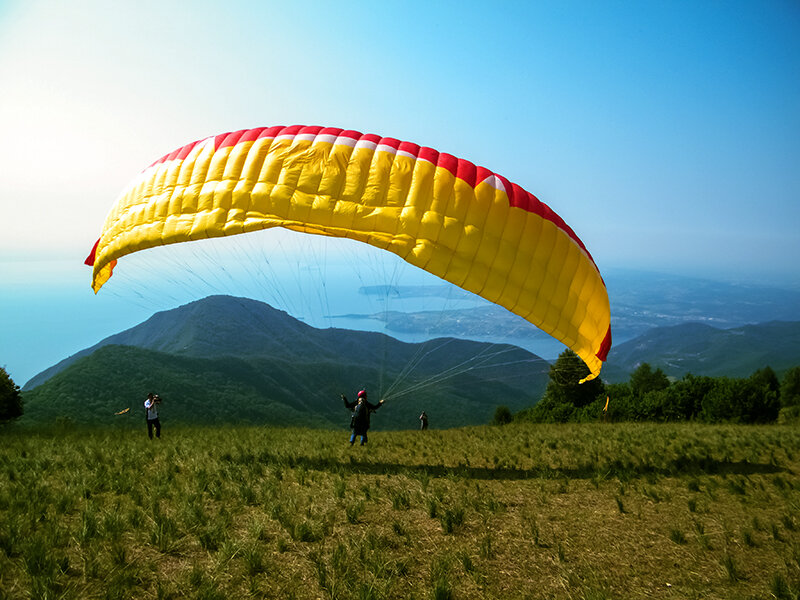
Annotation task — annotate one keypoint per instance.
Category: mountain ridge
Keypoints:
(702, 349)
(234, 357)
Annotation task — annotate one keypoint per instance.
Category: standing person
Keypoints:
(423, 421)
(359, 422)
(151, 411)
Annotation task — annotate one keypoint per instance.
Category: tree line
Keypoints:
(650, 395)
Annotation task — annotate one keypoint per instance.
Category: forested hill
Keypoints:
(220, 326)
(704, 350)
(224, 359)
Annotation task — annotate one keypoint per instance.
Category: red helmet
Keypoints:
(362, 394)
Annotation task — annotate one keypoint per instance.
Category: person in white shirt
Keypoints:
(151, 410)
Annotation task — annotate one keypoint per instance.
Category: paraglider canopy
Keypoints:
(461, 222)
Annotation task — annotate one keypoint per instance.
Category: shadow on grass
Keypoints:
(616, 469)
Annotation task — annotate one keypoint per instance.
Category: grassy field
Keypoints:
(522, 511)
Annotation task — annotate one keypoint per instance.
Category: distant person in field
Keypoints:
(359, 421)
(423, 421)
(151, 412)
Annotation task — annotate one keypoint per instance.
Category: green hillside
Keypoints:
(235, 360)
(704, 350)
(259, 390)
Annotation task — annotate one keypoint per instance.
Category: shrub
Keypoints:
(790, 388)
(502, 415)
(10, 398)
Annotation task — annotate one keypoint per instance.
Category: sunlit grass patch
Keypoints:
(518, 511)
(677, 536)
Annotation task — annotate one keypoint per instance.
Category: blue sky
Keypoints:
(667, 134)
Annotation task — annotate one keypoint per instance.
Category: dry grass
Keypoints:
(522, 511)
